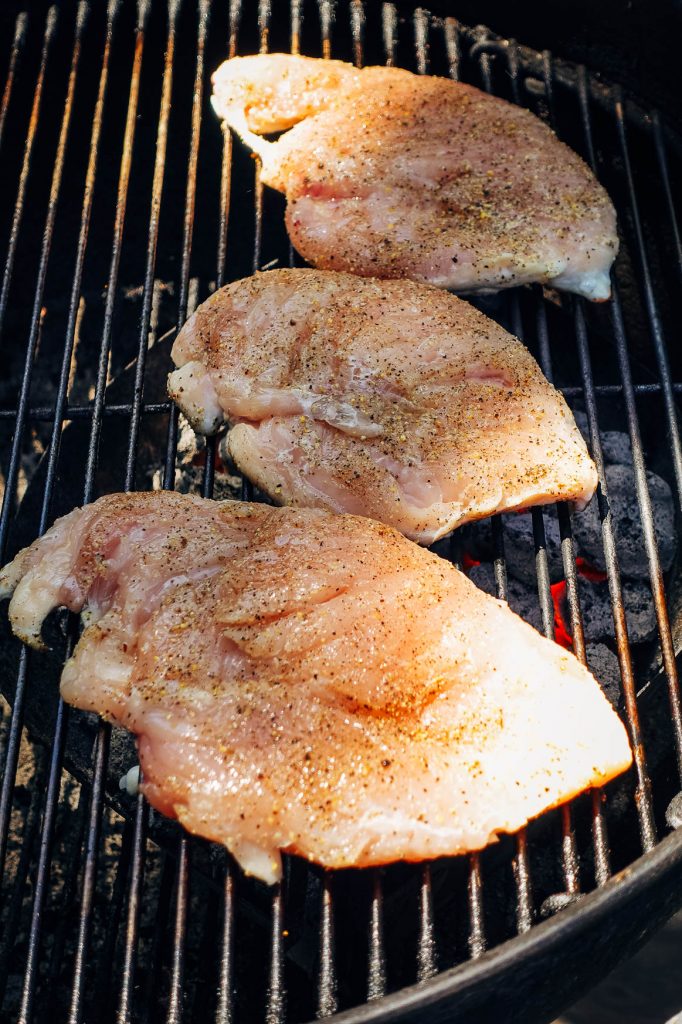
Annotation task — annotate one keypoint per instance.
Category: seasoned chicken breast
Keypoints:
(390, 174)
(388, 399)
(313, 683)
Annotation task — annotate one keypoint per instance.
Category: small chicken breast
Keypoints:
(305, 682)
(390, 174)
(381, 398)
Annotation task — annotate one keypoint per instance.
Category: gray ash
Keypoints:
(189, 467)
(598, 616)
(519, 546)
(603, 664)
(521, 598)
(519, 543)
(627, 524)
(593, 591)
(615, 444)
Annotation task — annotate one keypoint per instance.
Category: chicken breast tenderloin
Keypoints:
(381, 398)
(312, 683)
(390, 174)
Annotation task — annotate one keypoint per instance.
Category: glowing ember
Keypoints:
(468, 562)
(589, 571)
(562, 623)
(562, 633)
(525, 603)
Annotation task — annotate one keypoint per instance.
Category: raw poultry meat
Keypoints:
(389, 399)
(390, 174)
(312, 683)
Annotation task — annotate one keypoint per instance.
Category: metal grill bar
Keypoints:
(57, 750)
(180, 924)
(153, 238)
(662, 159)
(357, 25)
(55, 186)
(60, 412)
(421, 40)
(42, 874)
(50, 29)
(11, 758)
(326, 987)
(568, 556)
(182, 877)
(235, 14)
(224, 1008)
(119, 222)
(134, 897)
(643, 797)
(247, 492)
(427, 952)
(77, 412)
(55, 766)
(326, 975)
(13, 913)
(376, 968)
(93, 838)
(656, 326)
(104, 731)
(12, 752)
(520, 863)
(276, 998)
(92, 846)
(476, 939)
(643, 496)
(197, 104)
(224, 1013)
(426, 949)
(152, 996)
(17, 47)
(520, 869)
(104, 978)
(568, 846)
(389, 19)
(264, 11)
(650, 542)
(296, 25)
(45, 413)
(643, 792)
(452, 47)
(225, 180)
(327, 10)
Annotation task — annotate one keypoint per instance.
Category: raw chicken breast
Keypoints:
(312, 683)
(390, 174)
(382, 398)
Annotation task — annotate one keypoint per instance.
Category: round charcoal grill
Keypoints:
(123, 206)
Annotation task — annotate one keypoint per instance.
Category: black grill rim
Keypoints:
(495, 981)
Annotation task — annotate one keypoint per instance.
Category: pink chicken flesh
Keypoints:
(312, 683)
(381, 398)
(390, 174)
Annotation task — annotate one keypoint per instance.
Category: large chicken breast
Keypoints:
(313, 683)
(389, 399)
(391, 174)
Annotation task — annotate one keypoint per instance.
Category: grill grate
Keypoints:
(108, 912)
